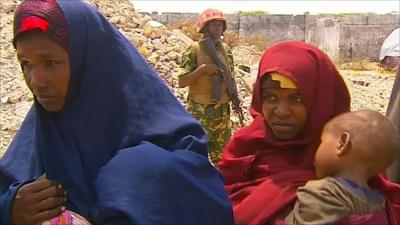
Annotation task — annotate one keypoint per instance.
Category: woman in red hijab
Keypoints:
(297, 90)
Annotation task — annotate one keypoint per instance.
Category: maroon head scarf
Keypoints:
(44, 15)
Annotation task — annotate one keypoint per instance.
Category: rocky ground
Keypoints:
(163, 49)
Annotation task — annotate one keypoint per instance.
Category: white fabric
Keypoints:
(391, 45)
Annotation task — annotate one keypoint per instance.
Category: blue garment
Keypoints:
(367, 194)
(123, 147)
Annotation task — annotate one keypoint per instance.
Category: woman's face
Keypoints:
(46, 69)
(215, 28)
(283, 109)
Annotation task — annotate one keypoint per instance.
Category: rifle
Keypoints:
(230, 83)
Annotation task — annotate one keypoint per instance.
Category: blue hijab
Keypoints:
(123, 147)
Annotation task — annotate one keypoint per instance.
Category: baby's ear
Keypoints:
(344, 144)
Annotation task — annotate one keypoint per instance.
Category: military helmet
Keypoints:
(208, 16)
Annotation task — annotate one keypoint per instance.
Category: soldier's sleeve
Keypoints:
(319, 202)
(188, 64)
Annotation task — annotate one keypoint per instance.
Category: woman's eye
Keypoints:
(51, 62)
(25, 65)
(297, 99)
(268, 97)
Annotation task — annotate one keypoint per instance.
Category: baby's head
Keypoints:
(356, 141)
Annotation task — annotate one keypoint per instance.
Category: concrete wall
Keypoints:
(341, 37)
(363, 35)
(352, 36)
(323, 32)
(358, 41)
(165, 18)
(274, 28)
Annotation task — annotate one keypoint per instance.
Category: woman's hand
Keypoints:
(210, 69)
(37, 202)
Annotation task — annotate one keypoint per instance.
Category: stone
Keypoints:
(5, 99)
(172, 55)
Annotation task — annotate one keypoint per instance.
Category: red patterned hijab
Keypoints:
(44, 15)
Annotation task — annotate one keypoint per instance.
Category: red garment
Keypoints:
(33, 22)
(261, 173)
(376, 218)
(391, 191)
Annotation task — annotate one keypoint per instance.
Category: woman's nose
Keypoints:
(37, 78)
(282, 109)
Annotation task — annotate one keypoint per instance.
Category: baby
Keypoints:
(354, 147)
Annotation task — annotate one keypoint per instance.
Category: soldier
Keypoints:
(199, 71)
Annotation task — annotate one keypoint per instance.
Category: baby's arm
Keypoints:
(329, 200)
(319, 202)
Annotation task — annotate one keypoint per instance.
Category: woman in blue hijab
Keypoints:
(105, 137)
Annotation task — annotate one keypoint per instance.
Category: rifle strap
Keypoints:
(199, 54)
(201, 90)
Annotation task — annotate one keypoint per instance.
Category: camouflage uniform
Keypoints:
(215, 118)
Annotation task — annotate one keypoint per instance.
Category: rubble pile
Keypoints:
(162, 49)
(369, 89)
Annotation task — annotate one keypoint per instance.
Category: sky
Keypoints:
(271, 6)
